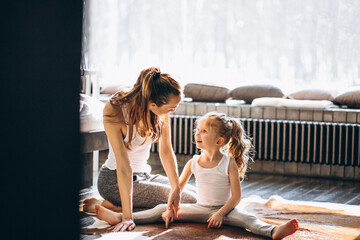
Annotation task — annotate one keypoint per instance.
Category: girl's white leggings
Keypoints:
(199, 213)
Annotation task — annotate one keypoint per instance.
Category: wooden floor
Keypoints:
(291, 188)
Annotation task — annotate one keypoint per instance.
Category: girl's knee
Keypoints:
(160, 207)
(188, 197)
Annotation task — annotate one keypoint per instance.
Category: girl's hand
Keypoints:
(173, 202)
(123, 226)
(216, 220)
(168, 217)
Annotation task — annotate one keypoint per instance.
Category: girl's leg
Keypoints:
(187, 213)
(150, 216)
(195, 213)
(248, 221)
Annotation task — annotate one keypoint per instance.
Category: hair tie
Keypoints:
(156, 75)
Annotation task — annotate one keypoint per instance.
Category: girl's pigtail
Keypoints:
(239, 146)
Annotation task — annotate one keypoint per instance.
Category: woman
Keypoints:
(133, 120)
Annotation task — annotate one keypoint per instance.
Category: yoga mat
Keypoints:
(317, 220)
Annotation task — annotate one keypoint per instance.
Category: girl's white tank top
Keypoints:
(139, 153)
(212, 184)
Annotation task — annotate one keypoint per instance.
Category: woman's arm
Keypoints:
(168, 161)
(115, 135)
(168, 215)
(217, 218)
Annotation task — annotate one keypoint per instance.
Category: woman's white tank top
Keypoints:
(139, 153)
(212, 184)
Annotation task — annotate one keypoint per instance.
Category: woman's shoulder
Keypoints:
(113, 113)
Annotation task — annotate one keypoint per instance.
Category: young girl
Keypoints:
(217, 173)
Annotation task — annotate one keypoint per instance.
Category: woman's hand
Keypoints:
(168, 217)
(216, 220)
(173, 202)
(123, 226)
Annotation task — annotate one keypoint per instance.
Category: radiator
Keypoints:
(281, 140)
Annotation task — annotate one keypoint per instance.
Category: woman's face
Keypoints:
(170, 106)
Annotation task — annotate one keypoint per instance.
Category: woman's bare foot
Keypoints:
(107, 215)
(109, 205)
(89, 204)
(286, 229)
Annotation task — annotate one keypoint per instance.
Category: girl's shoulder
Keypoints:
(193, 161)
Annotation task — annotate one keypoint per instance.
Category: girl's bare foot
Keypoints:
(107, 215)
(286, 229)
(89, 204)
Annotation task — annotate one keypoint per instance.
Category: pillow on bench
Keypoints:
(249, 93)
(91, 113)
(292, 103)
(206, 93)
(311, 94)
(350, 98)
(111, 89)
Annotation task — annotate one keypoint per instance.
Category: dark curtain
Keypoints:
(40, 157)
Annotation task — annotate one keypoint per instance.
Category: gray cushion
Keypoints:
(111, 89)
(206, 93)
(350, 98)
(311, 94)
(249, 93)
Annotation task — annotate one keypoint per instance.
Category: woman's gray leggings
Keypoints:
(149, 190)
(200, 213)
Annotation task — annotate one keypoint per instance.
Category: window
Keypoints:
(288, 43)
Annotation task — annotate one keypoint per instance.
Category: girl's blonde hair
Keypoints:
(151, 85)
(237, 144)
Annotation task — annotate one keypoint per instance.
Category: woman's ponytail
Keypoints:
(151, 85)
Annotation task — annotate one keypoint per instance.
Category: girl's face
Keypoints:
(170, 106)
(205, 136)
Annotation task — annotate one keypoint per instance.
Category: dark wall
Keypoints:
(40, 159)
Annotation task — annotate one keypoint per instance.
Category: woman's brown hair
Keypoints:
(151, 85)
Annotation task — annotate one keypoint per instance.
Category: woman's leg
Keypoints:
(153, 190)
(107, 186)
(148, 190)
(188, 194)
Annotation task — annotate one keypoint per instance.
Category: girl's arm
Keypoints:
(123, 168)
(185, 175)
(217, 218)
(167, 157)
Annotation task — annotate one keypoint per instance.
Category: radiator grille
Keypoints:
(282, 140)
